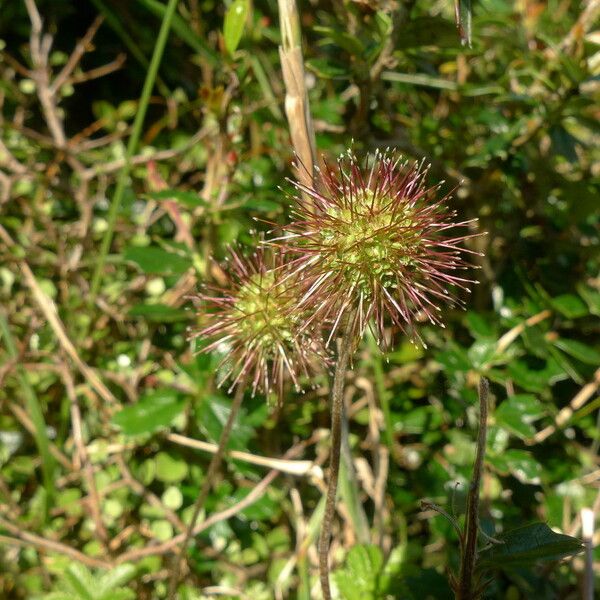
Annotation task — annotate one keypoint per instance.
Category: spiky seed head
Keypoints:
(376, 243)
(255, 321)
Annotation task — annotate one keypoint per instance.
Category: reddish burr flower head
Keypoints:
(373, 242)
(255, 321)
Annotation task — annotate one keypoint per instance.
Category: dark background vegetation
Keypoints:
(512, 121)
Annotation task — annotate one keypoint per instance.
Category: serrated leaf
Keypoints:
(529, 544)
(582, 352)
(80, 580)
(233, 26)
(116, 577)
(157, 261)
(360, 576)
(150, 413)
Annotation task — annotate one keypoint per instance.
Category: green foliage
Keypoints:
(528, 544)
(86, 459)
(150, 413)
(78, 583)
(233, 26)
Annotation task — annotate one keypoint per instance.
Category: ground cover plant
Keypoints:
(299, 300)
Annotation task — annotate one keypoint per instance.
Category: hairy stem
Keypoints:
(469, 555)
(337, 407)
(213, 466)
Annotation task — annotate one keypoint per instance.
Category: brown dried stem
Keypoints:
(297, 107)
(82, 456)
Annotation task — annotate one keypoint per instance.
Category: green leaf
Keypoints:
(233, 27)
(359, 580)
(529, 544)
(592, 298)
(115, 578)
(536, 380)
(158, 312)
(326, 69)
(582, 352)
(80, 580)
(262, 205)
(427, 31)
(341, 38)
(482, 352)
(189, 199)
(479, 326)
(518, 463)
(518, 412)
(152, 259)
(119, 594)
(170, 469)
(212, 415)
(264, 509)
(454, 358)
(151, 412)
(570, 306)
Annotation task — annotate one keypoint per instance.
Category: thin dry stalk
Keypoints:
(255, 494)
(297, 108)
(48, 307)
(209, 478)
(82, 455)
(31, 539)
(291, 467)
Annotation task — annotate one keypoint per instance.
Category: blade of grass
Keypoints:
(183, 31)
(137, 53)
(132, 145)
(265, 86)
(382, 393)
(33, 408)
(349, 491)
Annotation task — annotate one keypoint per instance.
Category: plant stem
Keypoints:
(33, 408)
(132, 146)
(209, 477)
(469, 555)
(337, 407)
